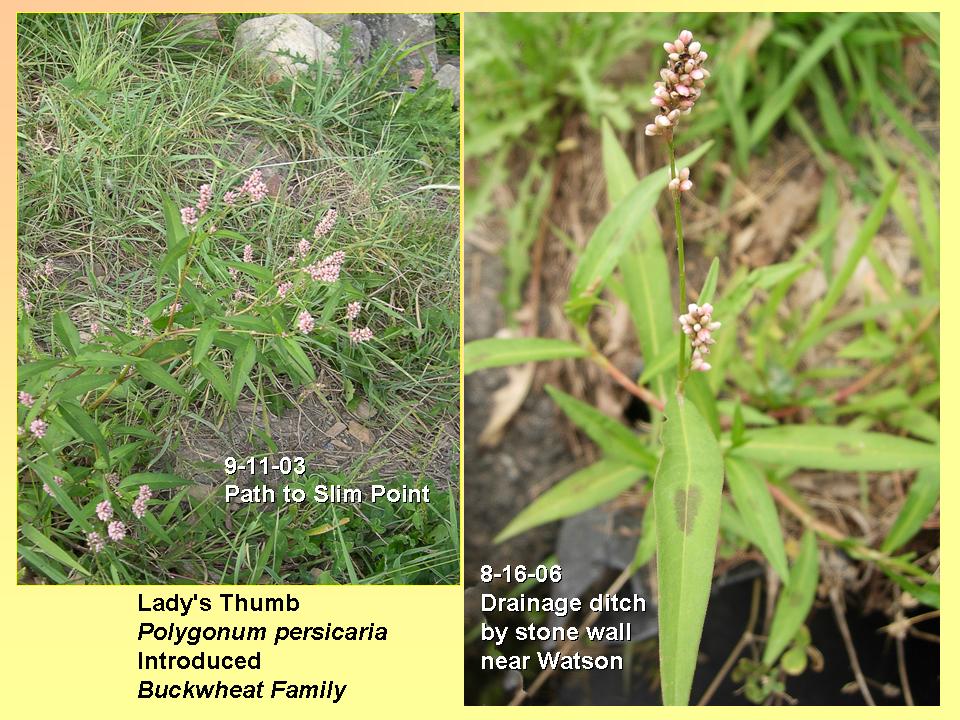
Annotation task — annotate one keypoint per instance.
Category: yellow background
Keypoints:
(71, 652)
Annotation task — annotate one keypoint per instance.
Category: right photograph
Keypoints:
(701, 322)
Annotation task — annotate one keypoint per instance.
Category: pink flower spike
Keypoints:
(326, 223)
(105, 510)
(58, 481)
(94, 328)
(95, 542)
(254, 186)
(145, 492)
(303, 248)
(361, 335)
(230, 197)
(248, 253)
(206, 195)
(353, 310)
(39, 428)
(26, 399)
(188, 216)
(116, 531)
(305, 322)
(139, 507)
(283, 288)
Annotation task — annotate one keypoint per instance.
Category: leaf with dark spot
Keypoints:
(686, 493)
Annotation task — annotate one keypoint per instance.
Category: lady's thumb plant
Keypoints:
(689, 478)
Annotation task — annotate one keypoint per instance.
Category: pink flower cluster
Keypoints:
(206, 195)
(254, 186)
(188, 216)
(140, 504)
(95, 542)
(56, 479)
(326, 223)
(305, 322)
(39, 428)
(328, 269)
(681, 83)
(360, 335)
(303, 248)
(283, 288)
(248, 253)
(353, 310)
(26, 399)
(105, 511)
(682, 182)
(25, 297)
(699, 326)
(116, 531)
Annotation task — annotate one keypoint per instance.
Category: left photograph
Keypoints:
(238, 299)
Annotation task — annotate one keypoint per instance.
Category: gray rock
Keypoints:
(201, 27)
(328, 22)
(279, 39)
(405, 30)
(360, 41)
(448, 77)
(274, 162)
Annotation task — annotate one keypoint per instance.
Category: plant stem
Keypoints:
(681, 267)
(614, 372)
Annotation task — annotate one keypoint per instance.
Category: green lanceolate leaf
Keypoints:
(498, 352)
(175, 231)
(921, 499)
(49, 548)
(795, 600)
(156, 481)
(616, 440)
(756, 507)
(204, 339)
(64, 329)
(710, 284)
(575, 494)
(830, 447)
(687, 493)
(246, 357)
(155, 373)
(612, 236)
(76, 417)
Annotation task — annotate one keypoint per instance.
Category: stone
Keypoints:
(199, 26)
(274, 162)
(448, 77)
(405, 30)
(287, 44)
(360, 41)
(328, 22)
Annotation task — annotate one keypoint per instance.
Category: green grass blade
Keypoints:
(778, 102)
(795, 600)
(921, 499)
(843, 275)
